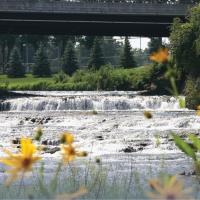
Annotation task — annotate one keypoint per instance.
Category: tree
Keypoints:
(111, 49)
(41, 67)
(96, 57)
(127, 59)
(185, 44)
(7, 42)
(155, 44)
(70, 64)
(15, 67)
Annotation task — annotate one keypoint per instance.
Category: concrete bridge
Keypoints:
(88, 17)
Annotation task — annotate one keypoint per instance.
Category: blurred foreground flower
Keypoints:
(148, 114)
(69, 152)
(161, 56)
(22, 161)
(82, 191)
(67, 138)
(168, 188)
(198, 110)
(38, 134)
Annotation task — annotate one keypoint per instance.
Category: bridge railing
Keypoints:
(171, 2)
(140, 7)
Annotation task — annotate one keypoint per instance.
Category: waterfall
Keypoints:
(90, 102)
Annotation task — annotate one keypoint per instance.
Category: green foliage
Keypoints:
(190, 150)
(61, 77)
(184, 147)
(182, 102)
(15, 68)
(191, 91)
(195, 141)
(127, 59)
(69, 60)
(96, 57)
(42, 65)
(7, 43)
(185, 43)
(107, 78)
(154, 45)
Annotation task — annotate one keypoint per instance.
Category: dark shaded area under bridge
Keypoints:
(88, 18)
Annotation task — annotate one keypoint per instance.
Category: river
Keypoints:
(108, 125)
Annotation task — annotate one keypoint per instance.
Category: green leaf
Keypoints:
(195, 140)
(183, 146)
(182, 103)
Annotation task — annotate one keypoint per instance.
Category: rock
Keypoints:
(52, 150)
(56, 142)
(129, 150)
(104, 120)
(115, 125)
(99, 137)
(33, 120)
(191, 173)
(21, 122)
(44, 142)
(182, 173)
(27, 118)
(143, 144)
(16, 141)
(51, 142)
(140, 148)
(48, 118)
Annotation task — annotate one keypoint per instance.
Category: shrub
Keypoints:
(61, 77)
(185, 43)
(191, 91)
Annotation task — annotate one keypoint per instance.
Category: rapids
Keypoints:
(117, 131)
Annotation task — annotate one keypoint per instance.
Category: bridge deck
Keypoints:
(59, 17)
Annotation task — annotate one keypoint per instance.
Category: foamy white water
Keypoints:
(99, 101)
(118, 131)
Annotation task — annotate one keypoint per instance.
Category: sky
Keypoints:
(135, 42)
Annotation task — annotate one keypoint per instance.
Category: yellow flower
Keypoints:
(168, 188)
(67, 138)
(82, 191)
(22, 161)
(68, 150)
(198, 110)
(161, 56)
(148, 114)
(70, 153)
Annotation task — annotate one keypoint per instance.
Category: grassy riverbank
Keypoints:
(106, 78)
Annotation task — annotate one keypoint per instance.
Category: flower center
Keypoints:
(26, 162)
(171, 197)
(71, 151)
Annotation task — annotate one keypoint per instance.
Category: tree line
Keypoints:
(72, 51)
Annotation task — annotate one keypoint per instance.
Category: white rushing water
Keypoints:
(101, 101)
(118, 128)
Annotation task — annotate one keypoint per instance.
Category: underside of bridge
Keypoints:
(87, 19)
(84, 27)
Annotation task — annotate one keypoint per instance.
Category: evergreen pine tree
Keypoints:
(127, 59)
(96, 57)
(154, 44)
(41, 67)
(15, 68)
(70, 64)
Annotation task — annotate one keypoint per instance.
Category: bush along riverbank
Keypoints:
(106, 78)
